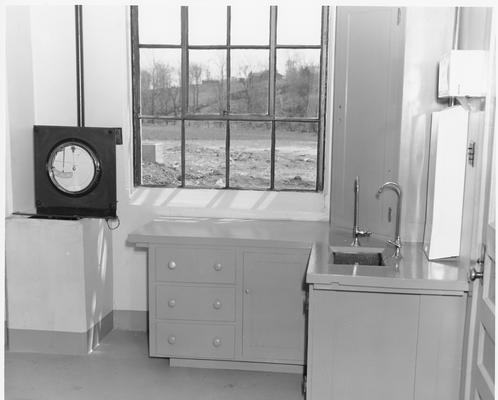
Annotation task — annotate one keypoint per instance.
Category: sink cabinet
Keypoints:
(366, 344)
(227, 306)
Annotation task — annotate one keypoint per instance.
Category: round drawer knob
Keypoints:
(217, 267)
(172, 265)
(217, 304)
(172, 339)
(172, 303)
(216, 342)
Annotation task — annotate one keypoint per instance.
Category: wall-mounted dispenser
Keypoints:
(463, 73)
(446, 181)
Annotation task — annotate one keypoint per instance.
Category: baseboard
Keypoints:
(57, 342)
(238, 365)
(131, 320)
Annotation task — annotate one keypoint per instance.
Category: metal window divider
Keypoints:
(135, 67)
(272, 90)
(322, 98)
(184, 86)
(227, 123)
(227, 117)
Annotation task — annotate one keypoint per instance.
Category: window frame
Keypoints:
(226, 116)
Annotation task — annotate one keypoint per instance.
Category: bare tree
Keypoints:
(221, 85)
(195, 74)
(145, 88)
(247, 81)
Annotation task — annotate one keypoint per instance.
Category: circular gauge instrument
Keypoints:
(73, 167)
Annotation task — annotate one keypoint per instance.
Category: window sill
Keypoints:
(231, 203)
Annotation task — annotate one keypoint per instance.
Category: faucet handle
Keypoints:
(363, 233)
(395, 243)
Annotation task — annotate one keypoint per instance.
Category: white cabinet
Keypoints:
(228, 305)
(192, 301)
(274, 297)
(446, 183)
(384, 346)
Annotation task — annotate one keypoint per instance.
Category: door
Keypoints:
(483, 278)
(483, 363)
(274, 321)
(368, 85)
(479, 219)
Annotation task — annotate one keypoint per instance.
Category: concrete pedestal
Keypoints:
(58, 284)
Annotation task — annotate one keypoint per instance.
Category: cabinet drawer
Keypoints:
(195, 303)
(194, 340)
(194, 264)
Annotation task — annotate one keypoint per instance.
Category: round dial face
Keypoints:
(73, 168)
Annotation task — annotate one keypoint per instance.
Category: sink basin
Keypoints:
(351, 256)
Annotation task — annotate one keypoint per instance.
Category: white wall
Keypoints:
(429, 34)
(54, 64)
(19, 70)
(41, 77)
(108, 103)
(40, 92)
(4, 201)
(50, 99)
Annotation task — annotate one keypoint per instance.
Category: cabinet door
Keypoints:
(362, 346)
(274, 320)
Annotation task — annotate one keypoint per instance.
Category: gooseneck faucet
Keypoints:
(396, 189)
(357, 231)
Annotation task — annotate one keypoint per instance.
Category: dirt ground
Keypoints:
(295, 163)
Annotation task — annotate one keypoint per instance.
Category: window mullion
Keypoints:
(229, 73)
(135, 66)
(184, 82)
(272, 88)
(322, 96)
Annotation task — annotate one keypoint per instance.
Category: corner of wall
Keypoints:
(19, 84)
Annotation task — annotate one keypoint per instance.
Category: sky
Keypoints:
(250, 24)
(160, 24)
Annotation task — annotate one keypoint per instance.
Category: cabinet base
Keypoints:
(238, 365)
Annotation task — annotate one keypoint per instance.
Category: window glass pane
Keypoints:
(207, 81)
(205, 161)
(244, 20)
(249, 81)
(250, 155)
(159, 24)
(298, 77)
(161, 152)
(299, 25)
(160, 81)
(207, 25)
(295, 155)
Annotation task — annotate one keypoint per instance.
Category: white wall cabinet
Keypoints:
(367, 345)
(227, 305)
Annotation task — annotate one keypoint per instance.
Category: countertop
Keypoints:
(412, 272)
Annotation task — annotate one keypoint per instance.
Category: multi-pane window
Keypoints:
(229, 97)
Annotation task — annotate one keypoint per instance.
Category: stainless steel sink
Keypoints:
(355, 255)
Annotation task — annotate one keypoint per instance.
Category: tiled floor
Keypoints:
(121, 369)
